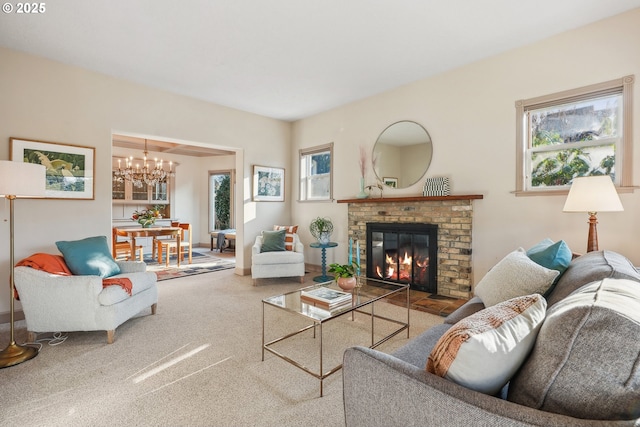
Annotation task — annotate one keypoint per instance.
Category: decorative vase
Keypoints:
(347, 283)
(362, 194)
(146, 223)
(324, 238)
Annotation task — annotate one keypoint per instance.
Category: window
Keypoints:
(580, 132)
(221, 201)
(316, 177)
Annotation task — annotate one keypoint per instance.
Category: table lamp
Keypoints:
(593, 194)
(18, 180)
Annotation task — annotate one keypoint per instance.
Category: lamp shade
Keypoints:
(593, 194)
(21, 179)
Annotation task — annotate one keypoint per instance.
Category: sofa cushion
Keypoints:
(514, 276)
(585, 362)
(484, 350)
(114, 294)
(278, 257)
(273, 241)
(474, 305)
(89, 257)
(590, 267)
(417, 350)
(554, 256)
(290, 230)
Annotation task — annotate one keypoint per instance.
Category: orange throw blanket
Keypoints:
(54, 264)
(123, 282)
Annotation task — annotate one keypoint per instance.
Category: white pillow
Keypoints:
(514, 276)
(483, 351)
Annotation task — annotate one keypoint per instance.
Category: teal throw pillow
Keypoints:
(273, 241)
(543, 244)
(554, 256)
(89, 257)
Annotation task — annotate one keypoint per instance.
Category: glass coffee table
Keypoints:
(362, 302)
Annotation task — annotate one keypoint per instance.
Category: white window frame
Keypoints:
(305, 176)
(624, 154)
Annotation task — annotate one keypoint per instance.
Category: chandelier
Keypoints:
(146, 174)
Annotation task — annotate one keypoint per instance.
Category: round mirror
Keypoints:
(402, 154)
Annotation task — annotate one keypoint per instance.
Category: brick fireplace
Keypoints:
(453, 216)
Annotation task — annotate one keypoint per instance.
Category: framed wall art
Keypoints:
(69, 168)
(390, 181)
(268, 184)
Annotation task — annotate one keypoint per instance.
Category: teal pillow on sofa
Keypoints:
(554, 256)
(273, 241)
(89, 257)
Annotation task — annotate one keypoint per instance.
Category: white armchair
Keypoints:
(277, 264)
(54, 303)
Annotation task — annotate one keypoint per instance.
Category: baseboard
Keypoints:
(312, 267)
(6, 317)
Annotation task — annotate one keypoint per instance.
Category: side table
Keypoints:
(323, 246)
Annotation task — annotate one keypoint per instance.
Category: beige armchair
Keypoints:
(53, 303)
(277, 264)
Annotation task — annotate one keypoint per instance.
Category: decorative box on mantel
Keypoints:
(452, 214)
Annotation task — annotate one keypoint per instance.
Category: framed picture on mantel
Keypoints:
(390, 181)
(69, 168)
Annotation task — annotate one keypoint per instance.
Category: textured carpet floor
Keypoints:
(197, 362)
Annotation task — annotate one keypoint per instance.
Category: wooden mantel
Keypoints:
(413, 199)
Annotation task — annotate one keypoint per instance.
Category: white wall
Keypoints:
(49, 101)
(470, 115)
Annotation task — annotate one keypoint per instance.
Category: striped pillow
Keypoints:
(288, 238)
(484, 350)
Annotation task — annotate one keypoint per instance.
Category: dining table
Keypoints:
(153, 231)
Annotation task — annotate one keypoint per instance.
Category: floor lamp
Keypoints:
(593, 194)
(17, 180)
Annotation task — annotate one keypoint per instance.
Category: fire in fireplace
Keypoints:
(403, 253)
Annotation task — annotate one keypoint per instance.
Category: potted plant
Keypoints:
(321, 229)
(345, 274)
(146, 217)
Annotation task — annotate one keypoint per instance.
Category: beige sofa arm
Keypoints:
(44, 296)
(255, 249)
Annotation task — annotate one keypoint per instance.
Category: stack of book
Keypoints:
(325, 298)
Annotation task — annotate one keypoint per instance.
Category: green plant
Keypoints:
(159, 209)
(343, 270)
(145, 217)
(320, 226)
(223, 202)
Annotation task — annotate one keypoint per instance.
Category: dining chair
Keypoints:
(170, 245)
(120, 247)
(156, 239)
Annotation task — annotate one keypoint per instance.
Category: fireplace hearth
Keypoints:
(403, 253)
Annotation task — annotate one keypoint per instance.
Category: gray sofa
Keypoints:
(599, 372)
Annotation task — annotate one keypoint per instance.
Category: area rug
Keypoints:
(202, 263)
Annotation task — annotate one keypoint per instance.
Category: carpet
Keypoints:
(202, 263)
(197, 362)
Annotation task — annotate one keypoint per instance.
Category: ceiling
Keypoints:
(288, 59)
(166, 147)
